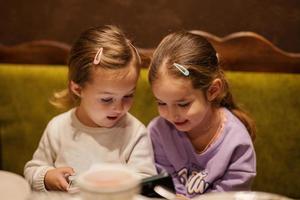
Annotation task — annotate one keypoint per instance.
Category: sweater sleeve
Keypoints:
(141, 156)
(240, 173)
(42, 161)
(161, 160)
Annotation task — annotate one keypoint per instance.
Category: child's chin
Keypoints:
(111, 124)
(108, 125)
(182, 128)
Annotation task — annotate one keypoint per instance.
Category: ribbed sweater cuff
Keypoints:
(39, 183)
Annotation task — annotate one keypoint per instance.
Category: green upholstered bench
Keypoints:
(273, 99)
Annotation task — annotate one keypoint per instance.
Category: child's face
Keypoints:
(106, 98)
(181, 104)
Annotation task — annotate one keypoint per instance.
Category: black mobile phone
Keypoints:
(148, 184)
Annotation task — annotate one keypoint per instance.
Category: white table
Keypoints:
(13, 186)
(66, 196)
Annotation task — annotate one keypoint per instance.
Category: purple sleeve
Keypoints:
(240, 172)
(161, 161)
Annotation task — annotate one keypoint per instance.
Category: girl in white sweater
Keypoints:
(103, 72)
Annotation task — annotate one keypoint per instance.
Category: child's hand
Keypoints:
(57, 179)
(181, 197)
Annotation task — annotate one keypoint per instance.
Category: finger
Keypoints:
(181, 197)
(67, 170)
(63, 184)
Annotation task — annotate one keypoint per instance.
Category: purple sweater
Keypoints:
(229, 164)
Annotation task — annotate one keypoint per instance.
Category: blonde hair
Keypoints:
(196, 54)
(118, 52)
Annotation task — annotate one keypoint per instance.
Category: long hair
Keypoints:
(196, 54)
(118, 52)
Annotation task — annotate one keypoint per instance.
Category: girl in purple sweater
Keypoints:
(202, 138)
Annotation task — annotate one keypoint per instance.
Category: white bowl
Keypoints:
(108, 182)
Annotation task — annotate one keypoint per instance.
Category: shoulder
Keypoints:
(234, 136)
(60, 121)
(234, 129)
(161, 128)
(62, 117)
(238, 142)
(235, 140)
(158, 123)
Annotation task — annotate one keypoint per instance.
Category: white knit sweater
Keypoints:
(66, 142)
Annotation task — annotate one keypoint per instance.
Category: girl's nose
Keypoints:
(118, 106)
(176, 117)
(173, 114)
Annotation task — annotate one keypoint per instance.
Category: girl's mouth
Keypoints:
(112, 118)
(181, 123)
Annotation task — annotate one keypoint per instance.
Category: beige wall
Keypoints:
(147, 21)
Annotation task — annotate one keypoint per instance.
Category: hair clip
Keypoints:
(182, 69)
(137, 53)
(98, 55)
(217, 55)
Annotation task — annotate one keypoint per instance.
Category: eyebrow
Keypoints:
(177, 101)
(131, 91)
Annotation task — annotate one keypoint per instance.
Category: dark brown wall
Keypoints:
(148, 21)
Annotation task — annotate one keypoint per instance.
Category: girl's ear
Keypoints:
(75, 88)
(214, 90)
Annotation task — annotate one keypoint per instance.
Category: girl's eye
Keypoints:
(108, 100)
(185, 104)
(161, 103)
(129, 96)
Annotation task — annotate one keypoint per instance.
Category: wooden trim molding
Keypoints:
(36, 52)
(249, 51)
(246, 51)
(240, 51)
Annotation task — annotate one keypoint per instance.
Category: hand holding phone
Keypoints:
(162, 180)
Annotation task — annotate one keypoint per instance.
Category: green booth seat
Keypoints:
(273, 99)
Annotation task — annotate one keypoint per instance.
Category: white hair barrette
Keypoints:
(136, 52)
(182, 69)
(98, 55)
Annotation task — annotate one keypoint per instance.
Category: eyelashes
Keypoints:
(129, 96)
(106, 100)
(182, 105)
(186, 104)
(110, 100)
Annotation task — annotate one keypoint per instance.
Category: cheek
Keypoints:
(197, 111)
(87, 104)
(88, 99)
(127, 104)
(95, 106)
(162, 111)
